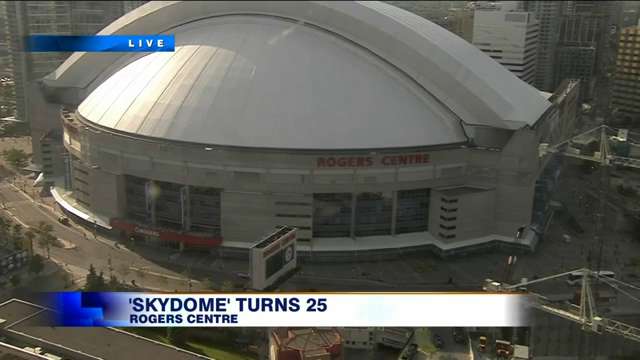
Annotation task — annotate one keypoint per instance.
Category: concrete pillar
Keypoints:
(150, 196)
(394, 211)
(353, 215)
(186, 208)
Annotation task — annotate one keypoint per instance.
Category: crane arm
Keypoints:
(525, 283)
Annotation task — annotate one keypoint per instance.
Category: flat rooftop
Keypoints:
(9, 352)
(106, 343)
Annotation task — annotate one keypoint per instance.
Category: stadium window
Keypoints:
(412, 211)
(332, 215)
(373, 214)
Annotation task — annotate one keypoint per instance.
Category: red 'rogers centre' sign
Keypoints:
(370, 161)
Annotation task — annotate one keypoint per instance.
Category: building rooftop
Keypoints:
(254, 81)
(24, 324)
(310, 75)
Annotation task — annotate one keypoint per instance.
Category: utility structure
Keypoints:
(604, 157)
(585, 312)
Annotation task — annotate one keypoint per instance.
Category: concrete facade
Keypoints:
(508, 36)
(626, 86)
(258, 187)
(474, 188)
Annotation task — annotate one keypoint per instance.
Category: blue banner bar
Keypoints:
(100, 43)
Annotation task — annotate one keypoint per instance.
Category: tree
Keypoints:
(91, 276)
(15, 280)
(30, 235)
(36, 265)
(45, 238)
(95, 281)
(17, 236)
(16, 158)
(4, 231)
(114, 284)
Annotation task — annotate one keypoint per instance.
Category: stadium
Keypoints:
(365, 127)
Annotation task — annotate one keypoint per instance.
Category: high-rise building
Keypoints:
(52, 18)
(130, 5)
(577, 62)
(27, 18)
(629, 14)
(579, 41)
(629, 18)
(586, 25)
(548, 14)
(5, 63)
(434, 11)
(508, 36)
(460, 22)
(626, 87)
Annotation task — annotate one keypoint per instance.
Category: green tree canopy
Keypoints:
(45, 237)
(15, 280)
(95, 281)
(36, 265)
(16, 158)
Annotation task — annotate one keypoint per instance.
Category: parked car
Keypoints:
(243, 275)
(63, 220)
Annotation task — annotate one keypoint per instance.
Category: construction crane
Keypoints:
(603, 157)
(584, 313)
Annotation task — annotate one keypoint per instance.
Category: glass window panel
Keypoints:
(373, 214)
(205, 210)
(413, 211)
(332, 215)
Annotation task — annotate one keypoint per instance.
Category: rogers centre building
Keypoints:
(364, 126)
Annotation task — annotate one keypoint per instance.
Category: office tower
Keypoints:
(579, 42)
(130, 5)
(548, 14)
(460, 22)
(434, 11)
(52, 18)
(5, 63)
(592, 33)
(508, 36)
(27, 18)
(626, 87)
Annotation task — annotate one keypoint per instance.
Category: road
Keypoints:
(89, 250)
(451, 349)
(153, 268)
(422, 272)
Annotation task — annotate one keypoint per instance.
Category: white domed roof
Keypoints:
(370, 54)
(258, 81)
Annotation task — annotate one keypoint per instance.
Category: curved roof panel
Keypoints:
(476, 88)
(261, 81)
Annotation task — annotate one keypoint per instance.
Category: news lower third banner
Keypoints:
(123, 309)
(99, 43)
